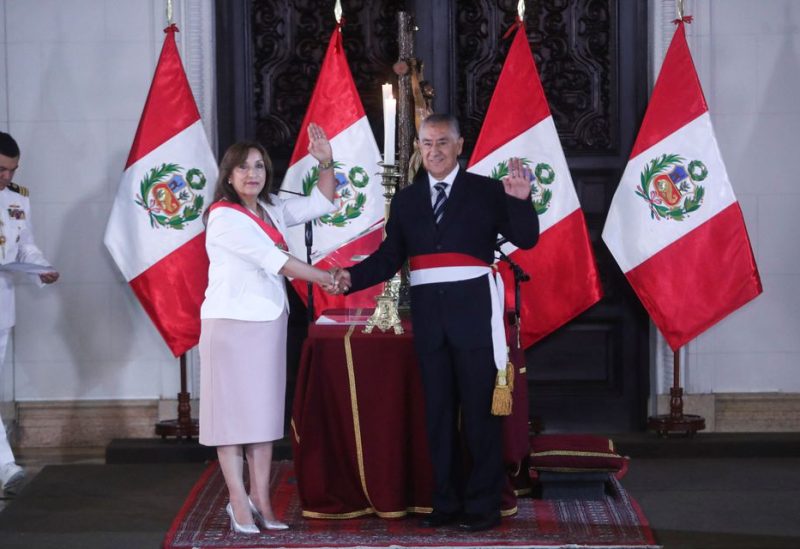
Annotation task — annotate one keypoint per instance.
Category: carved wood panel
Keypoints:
(572, 42)
(289, 42)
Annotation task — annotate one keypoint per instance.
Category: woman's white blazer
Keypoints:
(243, 279)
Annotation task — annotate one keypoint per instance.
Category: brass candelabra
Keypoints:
(385, 316)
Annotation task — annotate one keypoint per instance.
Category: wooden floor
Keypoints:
(722, 491)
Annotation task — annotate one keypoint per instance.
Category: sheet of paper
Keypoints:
(27, 268)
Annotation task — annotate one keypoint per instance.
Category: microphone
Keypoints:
(290, 192)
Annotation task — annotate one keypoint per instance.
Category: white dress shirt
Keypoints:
(449, 178)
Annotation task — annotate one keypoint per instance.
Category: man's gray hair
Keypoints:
(442, 118)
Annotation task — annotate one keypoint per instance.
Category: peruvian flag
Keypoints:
(155, 232)
(565, 280)
(674, 226)
(354, 230)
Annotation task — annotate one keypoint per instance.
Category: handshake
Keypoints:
(337, 281)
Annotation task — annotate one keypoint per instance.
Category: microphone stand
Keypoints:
(309, 237)
(520, 276)
(309, 234)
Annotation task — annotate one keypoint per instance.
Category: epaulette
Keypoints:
(18, 189)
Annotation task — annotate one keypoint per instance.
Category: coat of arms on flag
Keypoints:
(671, 188)
(350, 196)
(168, 195)
(542, 175)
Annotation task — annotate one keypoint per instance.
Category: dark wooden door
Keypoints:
(592, 374)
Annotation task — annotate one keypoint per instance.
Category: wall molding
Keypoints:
(742, 412)
(95, 423)
(83, 423)
(89, 423)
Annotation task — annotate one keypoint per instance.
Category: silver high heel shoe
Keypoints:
(268, 524)
(241, 528)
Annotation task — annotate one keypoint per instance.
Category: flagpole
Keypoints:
(676, 421)
(184, 426)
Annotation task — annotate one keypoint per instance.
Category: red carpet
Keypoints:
(615, 521)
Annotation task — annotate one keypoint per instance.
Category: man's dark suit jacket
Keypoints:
(477, 210)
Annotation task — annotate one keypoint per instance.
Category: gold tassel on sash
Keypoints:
(502, 401)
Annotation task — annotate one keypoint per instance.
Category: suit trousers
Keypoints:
(458, 386)
(6, 455)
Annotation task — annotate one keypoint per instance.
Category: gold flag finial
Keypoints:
(521, 9)
(169, 12)
(337, 12)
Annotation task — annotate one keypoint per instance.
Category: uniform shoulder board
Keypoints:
(19, 189)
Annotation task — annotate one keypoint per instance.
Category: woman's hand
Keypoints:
(318, 145)
(320, 148)
(327, 281)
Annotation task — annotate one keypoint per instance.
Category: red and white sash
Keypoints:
(273, 233)
(454, 267)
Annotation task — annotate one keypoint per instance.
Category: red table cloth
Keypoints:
(358, 425)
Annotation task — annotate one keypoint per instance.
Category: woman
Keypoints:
(243, 331)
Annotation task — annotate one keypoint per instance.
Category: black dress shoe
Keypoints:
(439, 518)
(478, 522)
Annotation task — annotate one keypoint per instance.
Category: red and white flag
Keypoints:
(343, 237)
(518, 123)
(674, 226)
(155, 232)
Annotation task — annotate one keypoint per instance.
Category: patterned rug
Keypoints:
(615, 521)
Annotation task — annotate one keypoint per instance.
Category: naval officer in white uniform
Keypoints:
(16, 246)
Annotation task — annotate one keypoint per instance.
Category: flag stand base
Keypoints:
(184, 426)
(665, 424)
(676, 421)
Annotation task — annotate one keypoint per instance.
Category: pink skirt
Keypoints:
(242, 381)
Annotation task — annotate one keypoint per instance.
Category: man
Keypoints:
(446, 224)
(16, 246)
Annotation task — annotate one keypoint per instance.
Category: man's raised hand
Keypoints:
(518, 181)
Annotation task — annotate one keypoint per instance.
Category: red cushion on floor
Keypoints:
(575, 453)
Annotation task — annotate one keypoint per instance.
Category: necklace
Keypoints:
(255, 211)
(261, 214)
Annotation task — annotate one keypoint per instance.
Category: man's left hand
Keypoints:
(518, 181)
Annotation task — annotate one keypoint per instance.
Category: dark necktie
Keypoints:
(441, 198)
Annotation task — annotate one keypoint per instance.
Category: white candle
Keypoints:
(389, 115)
